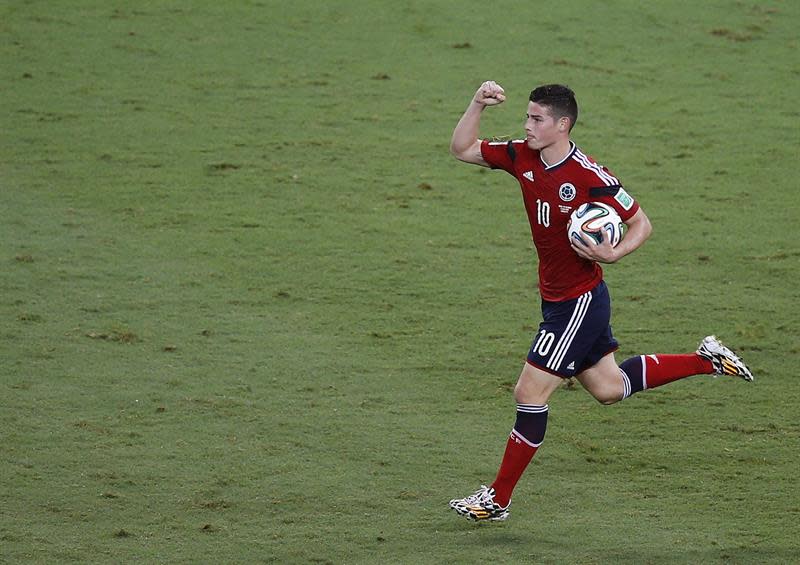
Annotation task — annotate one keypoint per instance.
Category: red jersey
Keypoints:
(551, 193)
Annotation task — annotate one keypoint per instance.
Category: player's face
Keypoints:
(541, 128)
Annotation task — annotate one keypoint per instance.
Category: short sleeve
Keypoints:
(618, 198)
(499, 154)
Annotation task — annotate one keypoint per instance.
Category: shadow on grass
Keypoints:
(512, 546)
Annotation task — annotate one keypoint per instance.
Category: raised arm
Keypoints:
(465, 145)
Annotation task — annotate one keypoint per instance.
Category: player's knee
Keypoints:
(524, 393)
(519, 394)
(608, 395)
(608, 400)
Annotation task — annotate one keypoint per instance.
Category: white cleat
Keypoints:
(725, 361)
(480, 506)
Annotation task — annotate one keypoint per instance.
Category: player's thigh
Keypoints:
(603, 380)
(535, 386)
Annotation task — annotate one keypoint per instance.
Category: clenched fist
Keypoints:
(490, 93)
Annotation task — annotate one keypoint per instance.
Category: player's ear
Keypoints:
(563, 124)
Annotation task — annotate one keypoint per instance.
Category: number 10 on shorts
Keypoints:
(543, 343)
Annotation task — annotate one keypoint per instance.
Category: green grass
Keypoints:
(252, 311)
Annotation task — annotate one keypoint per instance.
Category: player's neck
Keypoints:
(556, 152)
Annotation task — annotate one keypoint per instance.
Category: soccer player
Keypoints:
(574, 338)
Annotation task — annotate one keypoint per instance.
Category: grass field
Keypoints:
(253, 312)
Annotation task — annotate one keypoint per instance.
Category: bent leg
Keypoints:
(610, 383)
(651, 371)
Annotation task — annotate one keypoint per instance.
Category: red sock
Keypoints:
(662, 369)
(516, 458)
(526, 437)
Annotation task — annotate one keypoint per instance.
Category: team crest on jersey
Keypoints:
(625, 200)
(528, 175)
(567, 192)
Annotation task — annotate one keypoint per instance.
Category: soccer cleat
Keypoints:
(725, 361)
(480, 506)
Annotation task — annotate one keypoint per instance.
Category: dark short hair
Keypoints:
(559, 98)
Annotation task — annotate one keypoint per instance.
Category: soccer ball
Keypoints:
(592, 219)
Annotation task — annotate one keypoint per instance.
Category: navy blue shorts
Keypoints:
(575, 334)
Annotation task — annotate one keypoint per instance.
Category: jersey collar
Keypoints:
(547, 167)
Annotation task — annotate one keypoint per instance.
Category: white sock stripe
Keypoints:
(523, 439)
(573, 326)
(644, 372)
(626, 384)
(532, 408)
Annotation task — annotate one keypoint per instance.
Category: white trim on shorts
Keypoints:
(566, 339)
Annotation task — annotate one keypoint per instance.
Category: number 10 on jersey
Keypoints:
(543, 213)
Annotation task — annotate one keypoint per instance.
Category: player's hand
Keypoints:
(490, 94)
(602, 252)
